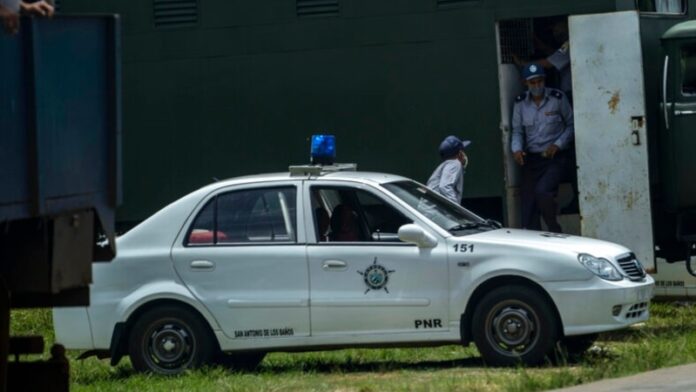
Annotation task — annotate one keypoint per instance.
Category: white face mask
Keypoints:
(537, 91)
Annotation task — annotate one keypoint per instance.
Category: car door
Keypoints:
(242, 258)
(364, 281)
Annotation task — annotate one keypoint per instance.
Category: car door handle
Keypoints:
(202, 265)
(334, 265)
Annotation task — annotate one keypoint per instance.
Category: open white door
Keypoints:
(611, 141)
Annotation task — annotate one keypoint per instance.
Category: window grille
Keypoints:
(516, 38)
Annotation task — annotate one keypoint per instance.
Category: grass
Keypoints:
(667, 339)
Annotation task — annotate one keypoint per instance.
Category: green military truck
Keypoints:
(215, 89)
(59, 177)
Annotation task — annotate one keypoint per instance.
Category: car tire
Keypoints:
(575, 346)
(514, 324)
(168, 340)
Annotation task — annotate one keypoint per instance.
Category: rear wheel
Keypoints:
(514, 324)
(168, 340)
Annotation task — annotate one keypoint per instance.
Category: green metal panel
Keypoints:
(59, 110)
(241, 91)
(678, 161)
(652, 28)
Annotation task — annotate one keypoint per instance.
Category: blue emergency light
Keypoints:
(323, 149)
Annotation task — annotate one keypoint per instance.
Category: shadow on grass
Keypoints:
(124, 372)
(662, 331)
(119, 373)
(380, 366)
(349, 365)
(352, 367)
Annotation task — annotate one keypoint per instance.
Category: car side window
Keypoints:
(381, 217)
(202, 232)
(354, 215)
(247, 216)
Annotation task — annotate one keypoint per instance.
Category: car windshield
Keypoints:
(451, 217)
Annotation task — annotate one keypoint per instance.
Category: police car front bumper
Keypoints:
(597, 305)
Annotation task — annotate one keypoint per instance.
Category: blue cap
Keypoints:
(452, 145)
(532, 70)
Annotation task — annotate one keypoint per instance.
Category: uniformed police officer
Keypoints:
(542, 130)
(448, 178)
(560, 59)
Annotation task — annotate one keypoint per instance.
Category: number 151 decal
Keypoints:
(464, 248)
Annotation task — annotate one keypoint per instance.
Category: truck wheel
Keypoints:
(169, 339)
(514, 324)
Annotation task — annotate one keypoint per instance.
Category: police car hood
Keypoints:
(562, 243)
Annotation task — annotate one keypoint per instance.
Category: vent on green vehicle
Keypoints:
(453, 3)
(317, 7)
(175, 13)
(56, 5)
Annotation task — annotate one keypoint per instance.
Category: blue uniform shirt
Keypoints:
(448, 180)
(534, 128)
(560, 60)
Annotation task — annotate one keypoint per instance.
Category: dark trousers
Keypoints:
(540, 179)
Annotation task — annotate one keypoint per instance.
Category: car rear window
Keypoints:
(247, 216)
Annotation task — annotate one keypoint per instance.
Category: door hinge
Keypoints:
(637, 123)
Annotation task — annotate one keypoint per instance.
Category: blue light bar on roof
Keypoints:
(323, 149)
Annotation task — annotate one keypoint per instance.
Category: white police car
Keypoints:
(322, 257)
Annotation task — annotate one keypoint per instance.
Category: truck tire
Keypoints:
(168, 340)
(514, 324)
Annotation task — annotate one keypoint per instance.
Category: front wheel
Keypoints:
(168, 340)
(514, 324)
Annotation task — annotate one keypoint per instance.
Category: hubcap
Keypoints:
(170, 346)
(511, 328)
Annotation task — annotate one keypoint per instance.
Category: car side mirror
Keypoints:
(415, 234)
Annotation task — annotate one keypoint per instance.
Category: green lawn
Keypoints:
(668, 339)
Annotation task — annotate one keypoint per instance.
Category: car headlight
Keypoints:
(600, 267)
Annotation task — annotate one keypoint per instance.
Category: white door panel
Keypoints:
(253, 291)
(610, 134)
(245, 264)
(413, 299)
